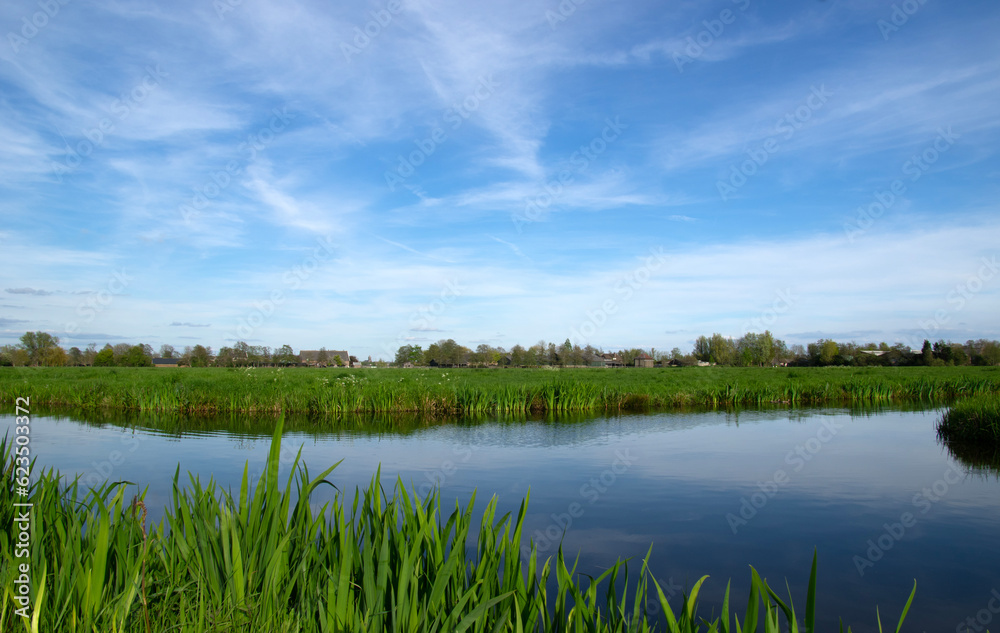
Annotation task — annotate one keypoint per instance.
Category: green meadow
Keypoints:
(483, 391)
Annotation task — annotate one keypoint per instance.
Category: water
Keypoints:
(882, 501)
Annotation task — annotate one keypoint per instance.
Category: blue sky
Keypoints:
(366, 175)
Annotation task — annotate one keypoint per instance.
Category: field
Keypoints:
(266, 560)
(482, 391)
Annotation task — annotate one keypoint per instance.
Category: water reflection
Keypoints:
(609, 486)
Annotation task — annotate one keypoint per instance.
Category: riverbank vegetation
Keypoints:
(266, 560)
(974, 420)
(483, 391)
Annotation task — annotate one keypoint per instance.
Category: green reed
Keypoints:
(973, 420)
(482, 391)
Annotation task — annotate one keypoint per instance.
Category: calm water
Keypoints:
(714, 492)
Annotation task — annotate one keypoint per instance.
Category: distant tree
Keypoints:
(89, 354)
(322, 357)
(517, 355)
(135, 357)
(338, 361)
(54, 357)
(989, 353)
(927, 353)
(37, 344)
(552, 354)
(285, 355)
(723, 350)
(828, 351)
(409, 354)
(7, 356)
(702, 349)
(75, 356)
(167, 351)
(201, 356)
(105, 357)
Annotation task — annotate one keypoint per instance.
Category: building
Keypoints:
(310, 358)
(644, 360)
(612, 360)
(165, 362)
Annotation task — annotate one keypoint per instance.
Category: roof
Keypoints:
(313, 355)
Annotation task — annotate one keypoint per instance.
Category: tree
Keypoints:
(75, 356)
(927, 353)
(517, 355)
(338, 360)
(412, 354)
(285, 355)
(89, 354)
(55, 357)
(105, 357)
(167, 351)
(322, 357)
(201, 356)
(828, 351)
(702, 349)
(36, 344)
(722, 350)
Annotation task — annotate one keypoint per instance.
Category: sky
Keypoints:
(366, 175)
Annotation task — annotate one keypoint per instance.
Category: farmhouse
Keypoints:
(311, 358)
(165, 362)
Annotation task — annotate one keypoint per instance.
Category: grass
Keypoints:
(974, 420)
(336, 392)
(266, 560)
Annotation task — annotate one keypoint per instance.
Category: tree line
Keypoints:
(42, 349)
(750, 350)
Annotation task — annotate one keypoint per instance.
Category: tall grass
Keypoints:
(333, 392)
(265, 560)
(974, 420)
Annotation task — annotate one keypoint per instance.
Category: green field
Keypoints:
(482, 391)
